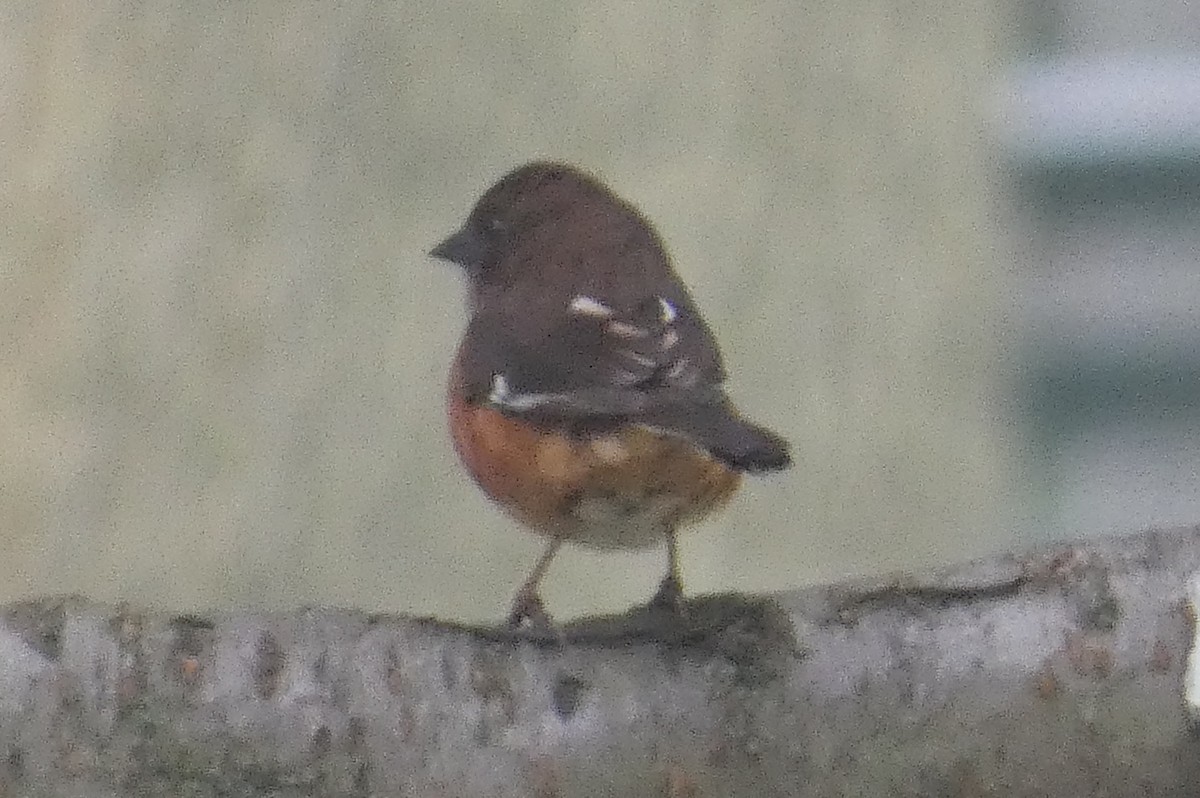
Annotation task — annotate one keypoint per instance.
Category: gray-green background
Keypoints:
(224, 346)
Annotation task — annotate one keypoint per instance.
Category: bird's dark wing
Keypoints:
(590, 356)
(595, 366)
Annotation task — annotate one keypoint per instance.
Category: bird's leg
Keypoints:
(527, 609)
(670, 590)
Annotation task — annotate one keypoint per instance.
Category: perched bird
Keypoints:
(586, 394)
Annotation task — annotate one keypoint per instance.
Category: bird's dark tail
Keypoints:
(752, 448)
(718, 428)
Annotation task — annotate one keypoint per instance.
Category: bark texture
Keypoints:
(1057, 672)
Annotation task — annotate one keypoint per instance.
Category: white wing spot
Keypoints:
(499, 394)
(502, 396)
(590, 306)
(670, 338)
(681, 371)
(666, 311)
(626, 330)
(638, 357)
(623, 377)
(679, 367)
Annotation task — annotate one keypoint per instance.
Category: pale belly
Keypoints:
(606, 522)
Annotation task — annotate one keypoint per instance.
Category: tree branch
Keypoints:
(1052, 673)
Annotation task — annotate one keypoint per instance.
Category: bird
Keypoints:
(586, 396)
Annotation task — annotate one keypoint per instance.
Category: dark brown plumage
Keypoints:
(586, 397)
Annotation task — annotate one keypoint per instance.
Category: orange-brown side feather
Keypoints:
(546, 479)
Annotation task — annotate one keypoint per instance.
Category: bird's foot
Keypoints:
(528, 612)
(669, 596)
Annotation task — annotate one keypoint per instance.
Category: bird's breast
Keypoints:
(622, 489)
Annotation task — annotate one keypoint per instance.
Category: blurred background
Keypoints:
(1102, 135)
(950, 254)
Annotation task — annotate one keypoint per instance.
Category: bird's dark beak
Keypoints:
(464, 247)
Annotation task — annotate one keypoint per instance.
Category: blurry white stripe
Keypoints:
(1191, 679)
(1115, 107)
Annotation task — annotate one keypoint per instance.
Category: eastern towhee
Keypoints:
(586, 394)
